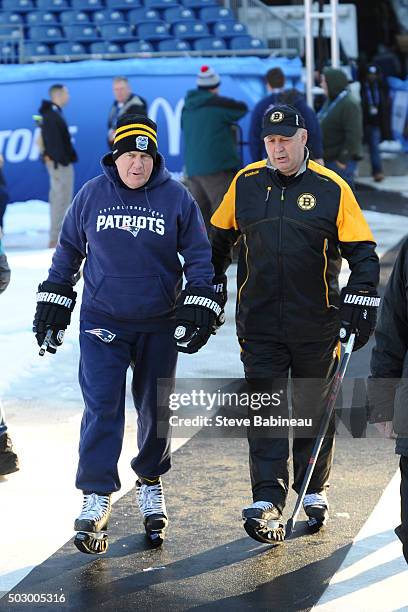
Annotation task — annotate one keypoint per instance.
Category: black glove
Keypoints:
(55, 303)
(221, 295)
(358, 313)
(195, 319)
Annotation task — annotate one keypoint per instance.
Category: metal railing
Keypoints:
(25, 58)
(265, 23)
(11, 43)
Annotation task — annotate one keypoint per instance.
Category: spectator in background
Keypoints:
(125, 103)
(210, 149)
(387, 60)
(3, 195)
(376, 116)
(388, 384)
(341, 123)
(275, 84)
(8, 458)
(58, 155)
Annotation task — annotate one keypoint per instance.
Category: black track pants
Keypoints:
(267, 365)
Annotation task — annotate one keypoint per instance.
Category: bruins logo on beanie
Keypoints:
(135, 133)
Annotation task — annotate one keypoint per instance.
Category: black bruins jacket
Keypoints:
(294, 238)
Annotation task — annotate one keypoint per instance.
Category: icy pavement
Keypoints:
(43, 402)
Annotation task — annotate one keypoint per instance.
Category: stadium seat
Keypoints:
(10, 31)
(87, 5)
(37, 49)
(41, 18)
(10, 18)
(81, 33)
(142, 15)
(213, 14)
(228, 29)
(209, 44)
(138, 46)
(123, 5)
(108, 16)
(69, 48)
(72, 17)
(181, 13)
(246, 42)
(173, 45)
(117, 32)
(149, 31)
(18, 6)
(161, 4)
(190, 30)
(44, 33)
(199, 4)
(105, 47)
(53, 5)
(9, 53)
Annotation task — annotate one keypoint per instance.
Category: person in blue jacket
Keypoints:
(277, 95)
(129, 224)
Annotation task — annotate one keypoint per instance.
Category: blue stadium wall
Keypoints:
(163, 82)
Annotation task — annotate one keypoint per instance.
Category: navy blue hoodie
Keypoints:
(131, 239)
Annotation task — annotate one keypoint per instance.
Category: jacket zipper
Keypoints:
(282, 199)
(247, 275)
(325, 248)
(326, 285)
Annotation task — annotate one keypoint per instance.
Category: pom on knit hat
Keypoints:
(207, 78)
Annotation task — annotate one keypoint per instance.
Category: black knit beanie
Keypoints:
(135, 133)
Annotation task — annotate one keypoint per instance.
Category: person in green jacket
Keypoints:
(341, 124)
(210, 148)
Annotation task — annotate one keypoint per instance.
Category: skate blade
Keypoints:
(155, 538)
(314, 525)
(272, 534)
(91, 543)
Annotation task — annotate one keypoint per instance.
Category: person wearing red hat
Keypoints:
(211, 156)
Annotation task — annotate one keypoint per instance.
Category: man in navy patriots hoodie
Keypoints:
(129, 224)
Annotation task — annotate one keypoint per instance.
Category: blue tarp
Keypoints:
(162, 81)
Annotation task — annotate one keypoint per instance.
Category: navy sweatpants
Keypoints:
(102, 377)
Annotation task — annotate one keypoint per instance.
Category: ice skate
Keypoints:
(150, 499)
(262, 522)
(92, 524)
(8, 458)
(316, 507)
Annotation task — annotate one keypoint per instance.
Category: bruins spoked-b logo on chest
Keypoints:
(306, 201)
(277, 117)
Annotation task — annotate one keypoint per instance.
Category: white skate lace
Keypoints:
(262, 505)
(95, 507)
(316, 499)
(151, 499)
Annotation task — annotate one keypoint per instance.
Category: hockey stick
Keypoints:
(333, 392)
(46, 342)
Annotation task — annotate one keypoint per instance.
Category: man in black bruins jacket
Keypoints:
(297, 220)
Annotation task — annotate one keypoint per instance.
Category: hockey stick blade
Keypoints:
(289, 528)
(332, 396)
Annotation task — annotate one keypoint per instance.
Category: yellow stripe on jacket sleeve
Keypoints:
(224, 216)
(351, 223)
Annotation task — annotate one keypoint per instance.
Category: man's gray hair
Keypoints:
(121, 79)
